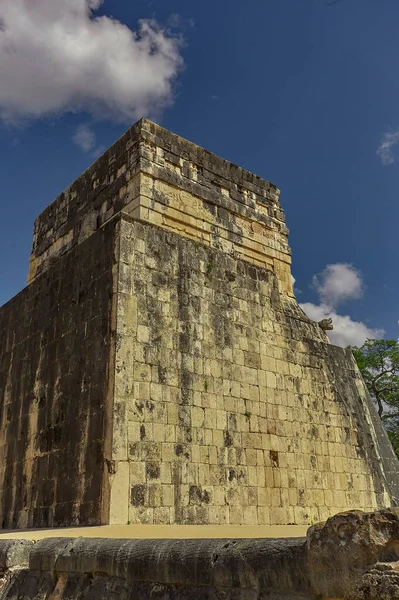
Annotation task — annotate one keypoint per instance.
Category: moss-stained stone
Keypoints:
(54, 365)
(157, 369)
(269, 415)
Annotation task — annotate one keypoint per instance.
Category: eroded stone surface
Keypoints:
(54, 358)
(235, 407)
(158, 177)
(89, 569)
(157, 369)
(355, 556)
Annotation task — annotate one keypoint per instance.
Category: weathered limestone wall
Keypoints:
(54, 364)
(230, 404)
(157, 369)
(158, 177)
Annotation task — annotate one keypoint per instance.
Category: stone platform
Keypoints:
(159, 532)
(353, 556)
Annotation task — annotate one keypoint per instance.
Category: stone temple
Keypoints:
(158, 369)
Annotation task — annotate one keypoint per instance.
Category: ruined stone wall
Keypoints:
(158, 177)
(157, 369)
(54, 361)
(230, 404)
(147, 377)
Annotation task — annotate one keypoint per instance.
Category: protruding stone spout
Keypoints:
(326, 324)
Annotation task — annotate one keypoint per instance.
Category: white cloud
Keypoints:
(384, 151)
(337, 283)
(85, 138)
(346, 332)
(295, 289)
(56, 56)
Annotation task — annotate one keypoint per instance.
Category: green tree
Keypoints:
(378, 361)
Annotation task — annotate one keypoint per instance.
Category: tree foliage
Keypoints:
(378, 361)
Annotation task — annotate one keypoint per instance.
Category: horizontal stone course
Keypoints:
(350, 557)
(195, 192)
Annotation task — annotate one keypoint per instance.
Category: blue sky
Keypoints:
(302, 93)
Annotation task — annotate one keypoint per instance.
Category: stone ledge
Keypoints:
(222, 564)
(226, 567)
(353, 556)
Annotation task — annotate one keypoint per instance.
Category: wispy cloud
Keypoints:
(176, 21)
(85, 138)
(57, 56)
(336, 284)
(390, 139)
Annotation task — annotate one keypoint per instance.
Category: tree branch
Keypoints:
(380, 406)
